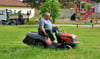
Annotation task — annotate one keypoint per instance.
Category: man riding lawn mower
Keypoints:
(44, 37)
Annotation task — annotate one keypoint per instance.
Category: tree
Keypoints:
(51, 6)
(78, 1)
(34, 3)
(97, 1)
(88, 5)
(67, 3)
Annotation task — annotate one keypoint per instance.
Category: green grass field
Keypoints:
(12, 47)
(77, 23)
(33, 21)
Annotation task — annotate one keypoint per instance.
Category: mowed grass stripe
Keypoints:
(12, 47)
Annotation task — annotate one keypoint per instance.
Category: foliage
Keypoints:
(78, 1)
(16, 14)
(51, 6)
(83, 5)
(88, 5)
(97, 1)
(34, 3)
(32, 21)
(69, 4)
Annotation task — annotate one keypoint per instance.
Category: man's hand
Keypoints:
(54, 26)
(46, 34)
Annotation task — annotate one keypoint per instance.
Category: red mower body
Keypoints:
(64, 40)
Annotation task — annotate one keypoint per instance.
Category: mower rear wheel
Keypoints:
(29, 41)
(68, 47)
(73, 46)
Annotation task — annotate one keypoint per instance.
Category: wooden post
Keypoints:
(92, 25)
(77, 25)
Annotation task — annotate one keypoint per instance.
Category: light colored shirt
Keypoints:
(45, 23)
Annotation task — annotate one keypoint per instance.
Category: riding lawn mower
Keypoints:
(64, 40)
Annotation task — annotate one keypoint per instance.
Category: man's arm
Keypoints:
(42, 28)
(41, 24)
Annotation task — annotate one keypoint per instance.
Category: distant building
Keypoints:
(16, 5)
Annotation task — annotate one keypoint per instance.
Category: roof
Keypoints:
(12, 3)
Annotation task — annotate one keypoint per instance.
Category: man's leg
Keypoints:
(41, 32)
(50, 34)
(55, 29)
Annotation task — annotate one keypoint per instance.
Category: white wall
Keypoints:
(97, 8)
(24, 10)
(3, 15)
(67, 13)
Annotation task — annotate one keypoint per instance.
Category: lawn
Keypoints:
(77, 23)
(33, 21)
(12, 47)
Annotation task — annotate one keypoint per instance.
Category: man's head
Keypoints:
(47, 15)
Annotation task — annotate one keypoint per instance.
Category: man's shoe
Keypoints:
(53, 42)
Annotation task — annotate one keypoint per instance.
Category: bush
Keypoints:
(88, 5)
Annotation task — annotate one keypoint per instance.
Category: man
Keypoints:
(45, 27)
(20, 17)
(8, 16)
(28, 14)
(8, 20)
(73, 17)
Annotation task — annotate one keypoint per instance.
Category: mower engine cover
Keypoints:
(69, 37)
